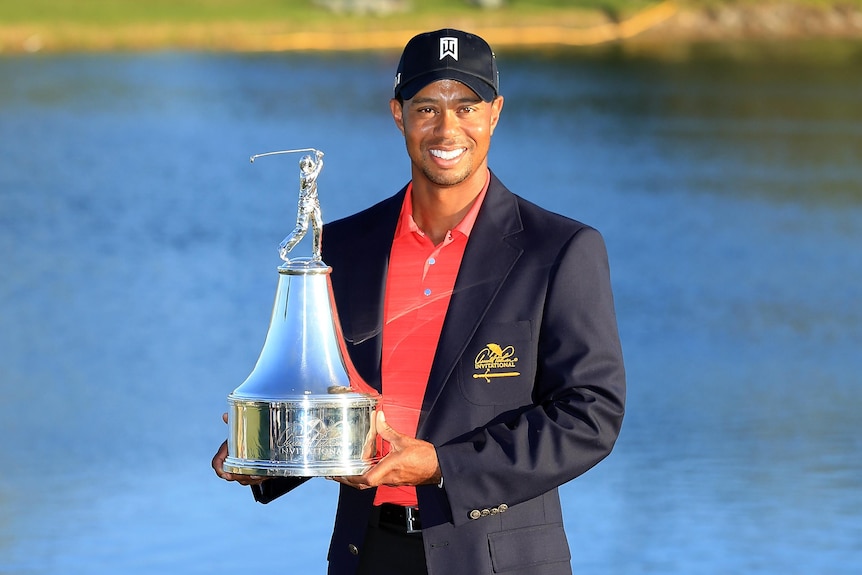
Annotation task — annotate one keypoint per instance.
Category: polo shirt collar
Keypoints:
(406, 223)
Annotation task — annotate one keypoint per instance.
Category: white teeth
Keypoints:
(447, 154)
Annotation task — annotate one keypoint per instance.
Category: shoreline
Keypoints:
(660, 24)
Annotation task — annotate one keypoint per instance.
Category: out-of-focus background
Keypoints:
(716, 146)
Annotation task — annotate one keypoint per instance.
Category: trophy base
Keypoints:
(280, 469)
(311, 436)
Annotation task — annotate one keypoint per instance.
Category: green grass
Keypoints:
(148, 11)
(152, 11)
(183, 11)
(57, 25)
(103, 12)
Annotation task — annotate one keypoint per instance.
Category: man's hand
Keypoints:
(409, 462)
(218, 466)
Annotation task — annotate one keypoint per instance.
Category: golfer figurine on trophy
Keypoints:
(309, 208)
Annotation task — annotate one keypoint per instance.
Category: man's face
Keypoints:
(447, 129)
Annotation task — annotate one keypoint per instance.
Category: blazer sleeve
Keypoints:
(274, 488)
(578, 394)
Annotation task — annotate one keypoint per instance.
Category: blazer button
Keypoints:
(354, 550)
(475, 514)
(486, 512)
(503, 507)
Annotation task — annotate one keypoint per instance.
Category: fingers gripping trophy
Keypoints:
(304, 410)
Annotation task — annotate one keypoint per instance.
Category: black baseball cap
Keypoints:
(447, 55)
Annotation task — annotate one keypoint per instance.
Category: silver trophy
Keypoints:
(303, 411)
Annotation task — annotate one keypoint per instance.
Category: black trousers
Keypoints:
(389, 550)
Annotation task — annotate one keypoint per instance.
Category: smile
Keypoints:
(448, 154)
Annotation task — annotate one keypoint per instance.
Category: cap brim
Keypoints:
(414, 85)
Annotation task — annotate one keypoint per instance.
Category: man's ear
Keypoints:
(397, 110)
(496, 109)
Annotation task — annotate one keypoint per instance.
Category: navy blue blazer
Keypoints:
(526, 391)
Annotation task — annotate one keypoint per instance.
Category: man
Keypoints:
(488, 325)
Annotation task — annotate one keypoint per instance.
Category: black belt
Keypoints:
(404, 519)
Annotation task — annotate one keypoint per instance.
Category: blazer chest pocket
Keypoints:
(497, 367)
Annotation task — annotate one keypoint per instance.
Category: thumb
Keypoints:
(384, 430)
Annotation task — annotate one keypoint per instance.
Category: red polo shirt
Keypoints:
(419, 285)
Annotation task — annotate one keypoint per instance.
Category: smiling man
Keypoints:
(487, 323)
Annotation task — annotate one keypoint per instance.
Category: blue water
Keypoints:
(138, 264)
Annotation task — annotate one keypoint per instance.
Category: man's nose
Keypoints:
(447, 123)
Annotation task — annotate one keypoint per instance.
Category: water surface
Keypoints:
(139, 255)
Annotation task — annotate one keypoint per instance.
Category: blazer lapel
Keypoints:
(360, 299)
(486, 264)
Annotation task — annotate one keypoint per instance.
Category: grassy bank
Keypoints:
(311, 12)
(98, 25)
